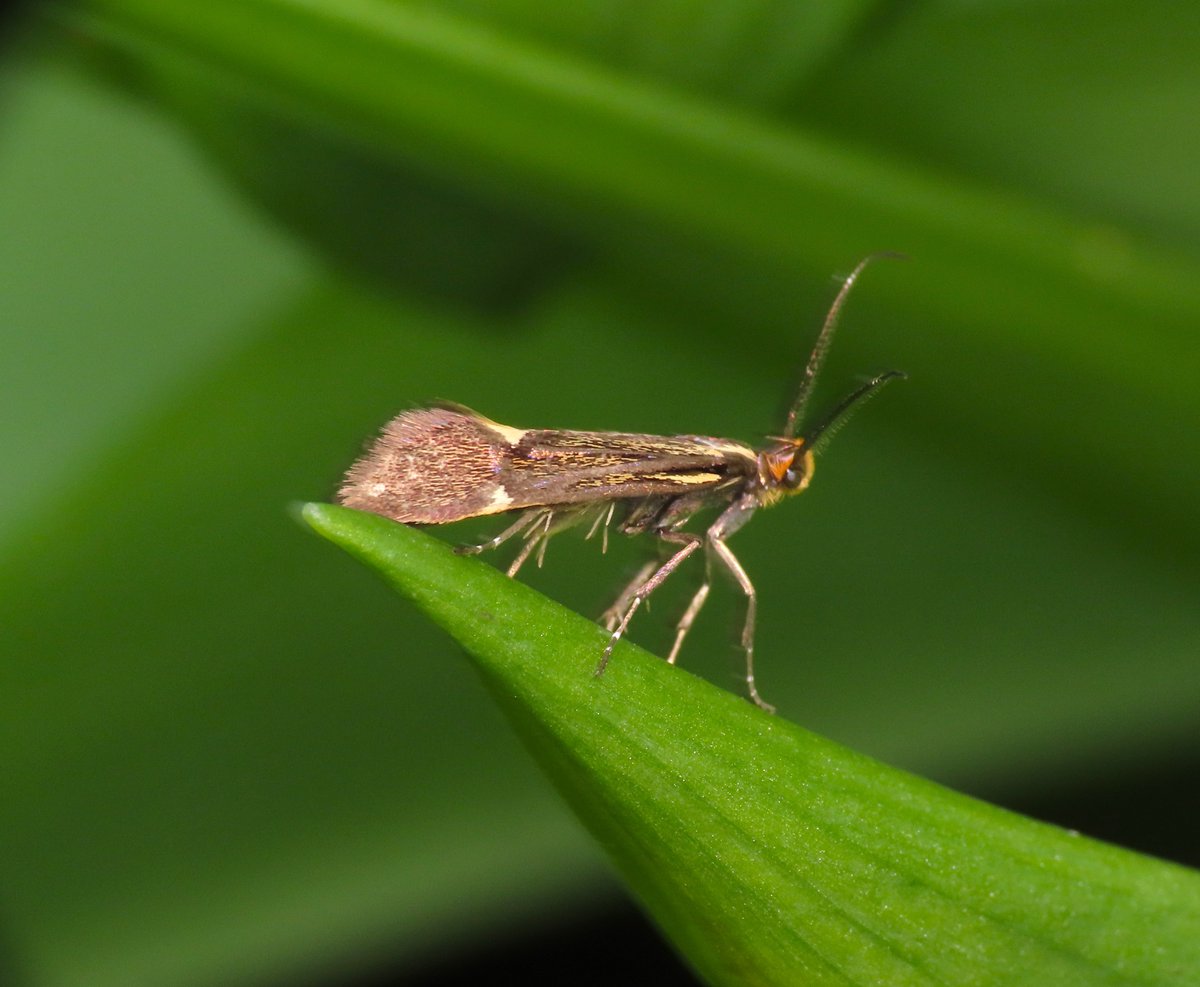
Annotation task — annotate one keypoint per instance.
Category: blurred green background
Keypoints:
(238, 236)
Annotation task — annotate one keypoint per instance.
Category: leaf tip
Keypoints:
(322, 518)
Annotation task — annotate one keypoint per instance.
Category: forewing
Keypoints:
(565, 467)
(431, 466)
(435, 465)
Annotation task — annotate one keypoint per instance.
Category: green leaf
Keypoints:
(768, 854)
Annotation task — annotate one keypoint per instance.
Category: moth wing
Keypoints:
(442, 464)
(432, 466)
(566, 467)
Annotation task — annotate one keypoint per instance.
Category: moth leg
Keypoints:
(602, 518)
(689, 616)
(730, 520)
(544, 542)
(690, 542)
(612, 616)
(536, 535)
(721, 550)
(556, 521)
(527, 518)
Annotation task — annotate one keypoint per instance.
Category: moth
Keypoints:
(445, 463)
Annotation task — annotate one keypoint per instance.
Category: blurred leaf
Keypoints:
(404, 225)
(391, 225)
(770, 855)
(1009, 294)
(102, 314)
(751, 51)
(1058, 99)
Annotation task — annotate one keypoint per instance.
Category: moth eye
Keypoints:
(791, 478)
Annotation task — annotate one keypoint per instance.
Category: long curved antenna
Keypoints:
(838, 417)
(817, 356)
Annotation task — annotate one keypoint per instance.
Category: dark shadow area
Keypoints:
(611, 944)
(1149, 808)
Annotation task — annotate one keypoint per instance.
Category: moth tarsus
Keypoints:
(447, 463)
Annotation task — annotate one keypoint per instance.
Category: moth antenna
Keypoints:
(821, 346)
(829, 425)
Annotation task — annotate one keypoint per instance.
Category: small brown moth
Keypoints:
(446, 463)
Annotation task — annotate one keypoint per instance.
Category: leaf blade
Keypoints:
(771, 855)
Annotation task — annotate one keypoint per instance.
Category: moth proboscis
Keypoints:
(447, 463)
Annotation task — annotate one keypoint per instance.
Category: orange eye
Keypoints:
(780, 463)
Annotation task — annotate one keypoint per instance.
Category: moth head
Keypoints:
(784, 468)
